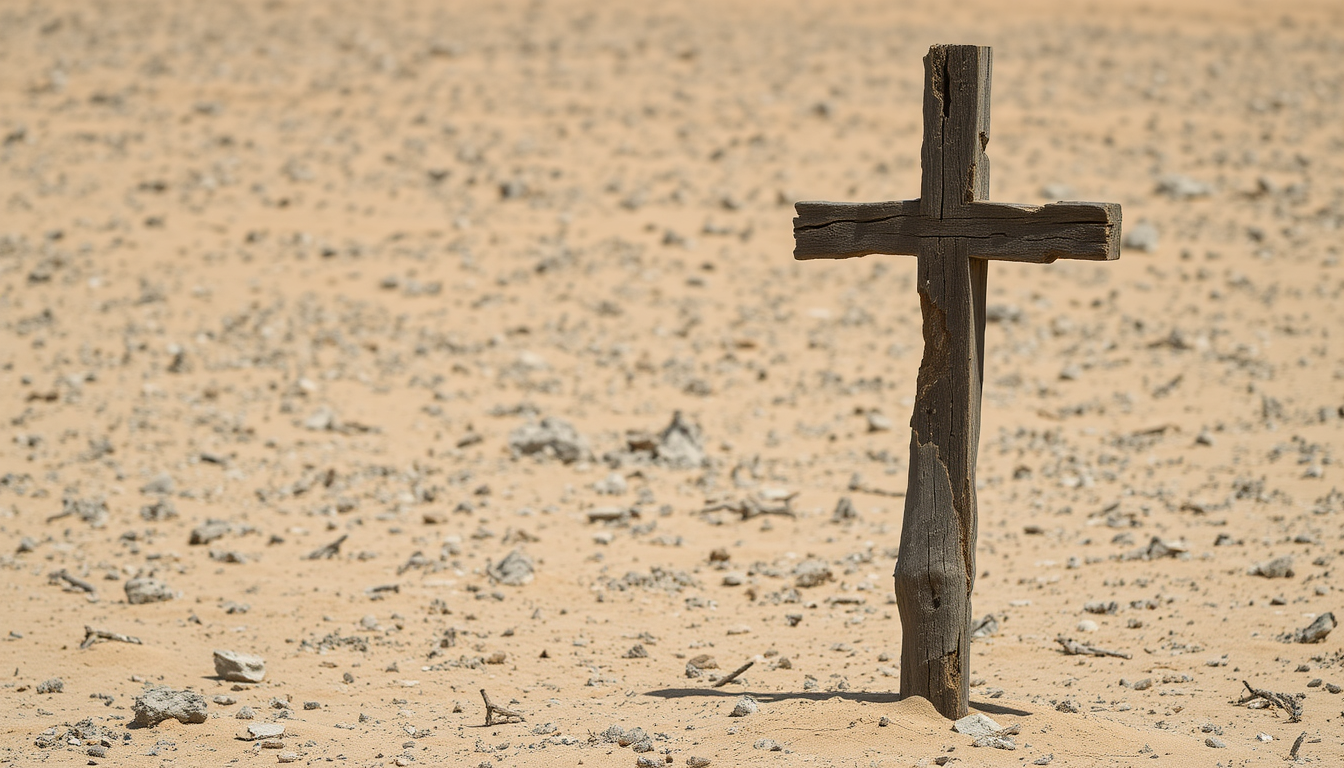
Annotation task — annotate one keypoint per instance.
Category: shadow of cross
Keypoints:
(955, 232)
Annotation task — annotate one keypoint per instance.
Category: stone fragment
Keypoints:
(976, 725)
(54, 685)
(552, 437)
(209, 531)
(812, 573)
(239, 667)
(1317, 630)
(246, 713)
(161, 485)
(515, 570)
(680, 444)
(745, 706)
(259, 731)
(697, 762)
(1142, 236)
(1278, 568)
(159, 703)
(769, 745)
(144, 589)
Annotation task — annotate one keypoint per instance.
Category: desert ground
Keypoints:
(424, 348)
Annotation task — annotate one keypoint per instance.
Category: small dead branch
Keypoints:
(750, 506)
(492, 710)
(731, 676)
(1074, 648)
(93, 635)
(1285, 701)
(329, 551)
(1292, 753)
(74, 583)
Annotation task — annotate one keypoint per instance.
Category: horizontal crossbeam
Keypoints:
(1036, 234)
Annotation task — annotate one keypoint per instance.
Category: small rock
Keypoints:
(844, 511)
(224, 700)
(1278, 568)
(287, 757)
(636, 652)
(680, 445)
(239, 667)
(1317, 630)
(246, 713)
(159, 703)
(977, 725)
(515, 570)
(161, 485)
(1087, 625)
(54, 685)
(260, 731)
(1068, 705)
(554, 437)
(1044, 759)
(1215, 743)
(308, 706)
(878, 423)
(144, 589)
(209, 531)
(769, 745)
(697, 762)
(745, 706)
(644, 761)
(811, 573)
(1141, 237)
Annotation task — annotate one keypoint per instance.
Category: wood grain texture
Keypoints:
(954, 231)
(998, 231)
(936, 568)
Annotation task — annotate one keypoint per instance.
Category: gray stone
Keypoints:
(1142, 236)
(515, 570)
(977, 726)
(161, 703)
(239, 667)
(258, 731)
(811, 573)
(54, 685)
(161, 485)
(159, 511)
(745, 706)
(144, 589)
(1278, 568)
(1317, 630)
(246, 713)
(209, 531)
(1179, 187)
(680, 445)
(769, 745)
(552, 437)
(1215, 743)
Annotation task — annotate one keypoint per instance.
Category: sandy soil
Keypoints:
(320, 272)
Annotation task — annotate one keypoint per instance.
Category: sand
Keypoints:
(312, 270)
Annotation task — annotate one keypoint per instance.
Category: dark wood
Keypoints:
(1000, 231)
(954, 231)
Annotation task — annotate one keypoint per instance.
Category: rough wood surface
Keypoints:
(998, 231)
(954, 231)
(936, 568)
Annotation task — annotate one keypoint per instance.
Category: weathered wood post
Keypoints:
(953, 231)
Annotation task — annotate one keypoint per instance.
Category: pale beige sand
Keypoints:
(219, 219)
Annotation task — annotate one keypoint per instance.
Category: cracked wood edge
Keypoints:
(996, 231)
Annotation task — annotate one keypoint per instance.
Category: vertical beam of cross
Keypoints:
(954, 231)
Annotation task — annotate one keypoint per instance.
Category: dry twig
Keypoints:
(1292, 753)
(1286, 702)
(329, 551)
(492, 709)
(731, 676)
(1074, 648)
(93, 635)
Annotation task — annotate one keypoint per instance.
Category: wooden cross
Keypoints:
(955, 232)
